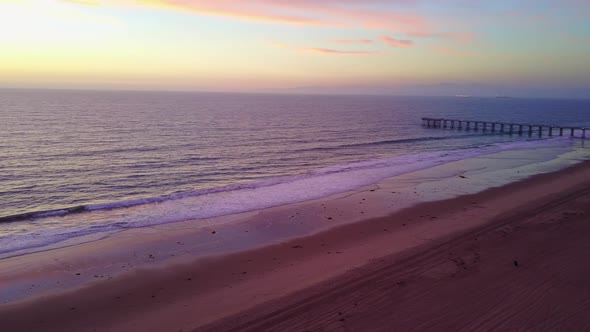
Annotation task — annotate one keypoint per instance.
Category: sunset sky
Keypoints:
(512, 47)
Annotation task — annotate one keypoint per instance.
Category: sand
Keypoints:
(511, 258)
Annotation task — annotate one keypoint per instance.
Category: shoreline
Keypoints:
(525, 270)
(218, 287)
(75, 223)
(71, 265)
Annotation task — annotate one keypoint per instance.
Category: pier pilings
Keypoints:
(511, 127)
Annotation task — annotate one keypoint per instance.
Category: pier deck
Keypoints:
(505, 127)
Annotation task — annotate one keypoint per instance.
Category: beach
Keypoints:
(305, 166)
(508, 258)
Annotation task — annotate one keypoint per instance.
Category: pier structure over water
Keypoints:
(505, 127)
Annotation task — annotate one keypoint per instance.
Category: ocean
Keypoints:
(77, 163)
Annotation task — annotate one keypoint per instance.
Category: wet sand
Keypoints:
(509, 258)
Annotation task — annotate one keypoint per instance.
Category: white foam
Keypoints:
(242, 198)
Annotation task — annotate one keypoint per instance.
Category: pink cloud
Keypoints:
(240, 9)
(402, 43)
(335, 13)
(341, 52)
(351, 14)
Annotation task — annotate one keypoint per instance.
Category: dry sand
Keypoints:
(511, 258)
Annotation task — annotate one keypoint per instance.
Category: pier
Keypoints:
(505, 127)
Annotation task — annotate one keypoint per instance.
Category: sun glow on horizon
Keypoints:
(269, 44)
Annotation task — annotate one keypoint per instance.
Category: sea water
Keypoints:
(77, 163)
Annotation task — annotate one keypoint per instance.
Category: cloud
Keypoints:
(243, 10)
(402, 43)
(83, 2)
(353, 41)
(341, 52)
(349, 14)
(334, 13)
(321, 50)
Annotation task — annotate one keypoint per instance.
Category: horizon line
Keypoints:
(285, 92)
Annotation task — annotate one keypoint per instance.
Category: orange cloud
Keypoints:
(321, 50)
(83, 2)
(242, 10)
(402, 43)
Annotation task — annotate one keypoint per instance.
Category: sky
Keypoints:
(407, 47)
